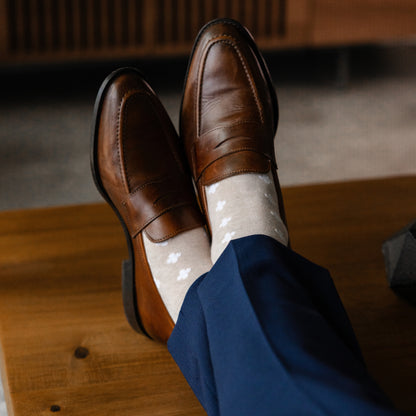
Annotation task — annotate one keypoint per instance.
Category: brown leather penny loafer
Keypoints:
(138, 167)
(229, 109)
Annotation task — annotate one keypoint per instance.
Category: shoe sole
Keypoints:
(128, 274)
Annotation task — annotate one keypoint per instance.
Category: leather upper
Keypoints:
(228, 117)
(141, 168)
(141, 164)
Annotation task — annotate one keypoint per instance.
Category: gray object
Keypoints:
(400, 257)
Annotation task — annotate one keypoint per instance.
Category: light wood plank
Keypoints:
(60, 290)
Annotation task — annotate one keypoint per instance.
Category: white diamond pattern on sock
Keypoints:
(184, 273)
(228, 237)
(243, 205)
(173, 258)
(212, 188)
(220, 205)
(225, 221)
(176, 264)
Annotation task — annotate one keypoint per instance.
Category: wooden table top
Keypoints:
(65, 344)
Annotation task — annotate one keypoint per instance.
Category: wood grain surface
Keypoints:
(65, 345)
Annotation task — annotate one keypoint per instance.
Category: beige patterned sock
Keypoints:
(243, 205)
(176, 264)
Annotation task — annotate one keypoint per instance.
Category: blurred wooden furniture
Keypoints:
(80, 30)
(65, 345)
(346, 22)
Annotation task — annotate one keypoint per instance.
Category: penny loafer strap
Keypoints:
(163, 207)
(224, 141)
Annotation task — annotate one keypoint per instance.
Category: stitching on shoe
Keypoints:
(119, 141)
(197, 102)
(238, 150)
(173, 234)
(148, 183)
(122, 100)
(150, 220)
(233, 173)
(131, 94)
(252, 87)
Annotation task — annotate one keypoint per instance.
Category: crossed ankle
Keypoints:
(176, 263)
(243, 205)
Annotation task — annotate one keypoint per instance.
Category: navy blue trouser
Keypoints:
(265, 333)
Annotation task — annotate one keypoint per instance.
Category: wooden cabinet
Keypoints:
(362, 21)
(78, 30)
(43, 30)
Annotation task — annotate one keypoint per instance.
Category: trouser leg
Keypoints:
(264, 333)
